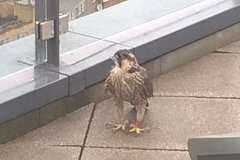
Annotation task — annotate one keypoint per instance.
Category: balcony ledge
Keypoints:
(76, 82)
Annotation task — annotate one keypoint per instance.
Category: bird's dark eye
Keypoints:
(118, 56)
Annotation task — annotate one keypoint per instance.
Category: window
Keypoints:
(21, 35)
(84, 7)
(72, 16)
(81, 8)
(24, 2)
(4, 41)
(32, 31)
(78, 10)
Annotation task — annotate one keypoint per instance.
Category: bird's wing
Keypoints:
(147, 81)
(108, 83)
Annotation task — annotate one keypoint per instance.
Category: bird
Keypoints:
(128, 81)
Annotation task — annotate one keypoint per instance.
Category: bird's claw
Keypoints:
(118, 126)
(138, 130)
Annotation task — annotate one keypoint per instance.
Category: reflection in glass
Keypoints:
(79, 8)
(17, 20)
(114, 19)
(74, 10)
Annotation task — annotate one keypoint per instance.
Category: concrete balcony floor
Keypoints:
(200, 98)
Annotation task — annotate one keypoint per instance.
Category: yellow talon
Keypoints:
(137, 129)
(118, 126)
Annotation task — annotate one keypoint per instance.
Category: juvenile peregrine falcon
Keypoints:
(130, 82)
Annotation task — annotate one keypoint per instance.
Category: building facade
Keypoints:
(18, 21)
(17, 17)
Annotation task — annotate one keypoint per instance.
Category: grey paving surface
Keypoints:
(10, 152)
(232, 48)
(172, 121)
(214, 75)
(61, 139)
(69, 130)
(126, 154)
(200, 98)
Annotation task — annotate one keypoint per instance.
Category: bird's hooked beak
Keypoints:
(113, 58)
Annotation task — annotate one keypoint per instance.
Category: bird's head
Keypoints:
(125, 59)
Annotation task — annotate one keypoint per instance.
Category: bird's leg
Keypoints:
(136, 126)
(122, 124)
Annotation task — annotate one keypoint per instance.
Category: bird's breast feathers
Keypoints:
(124, 81)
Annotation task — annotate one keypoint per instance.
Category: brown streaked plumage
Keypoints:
(130, 82)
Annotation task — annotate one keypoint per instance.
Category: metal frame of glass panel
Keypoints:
(47, 51)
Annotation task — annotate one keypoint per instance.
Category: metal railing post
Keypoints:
(40, 45)
(47, 31)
